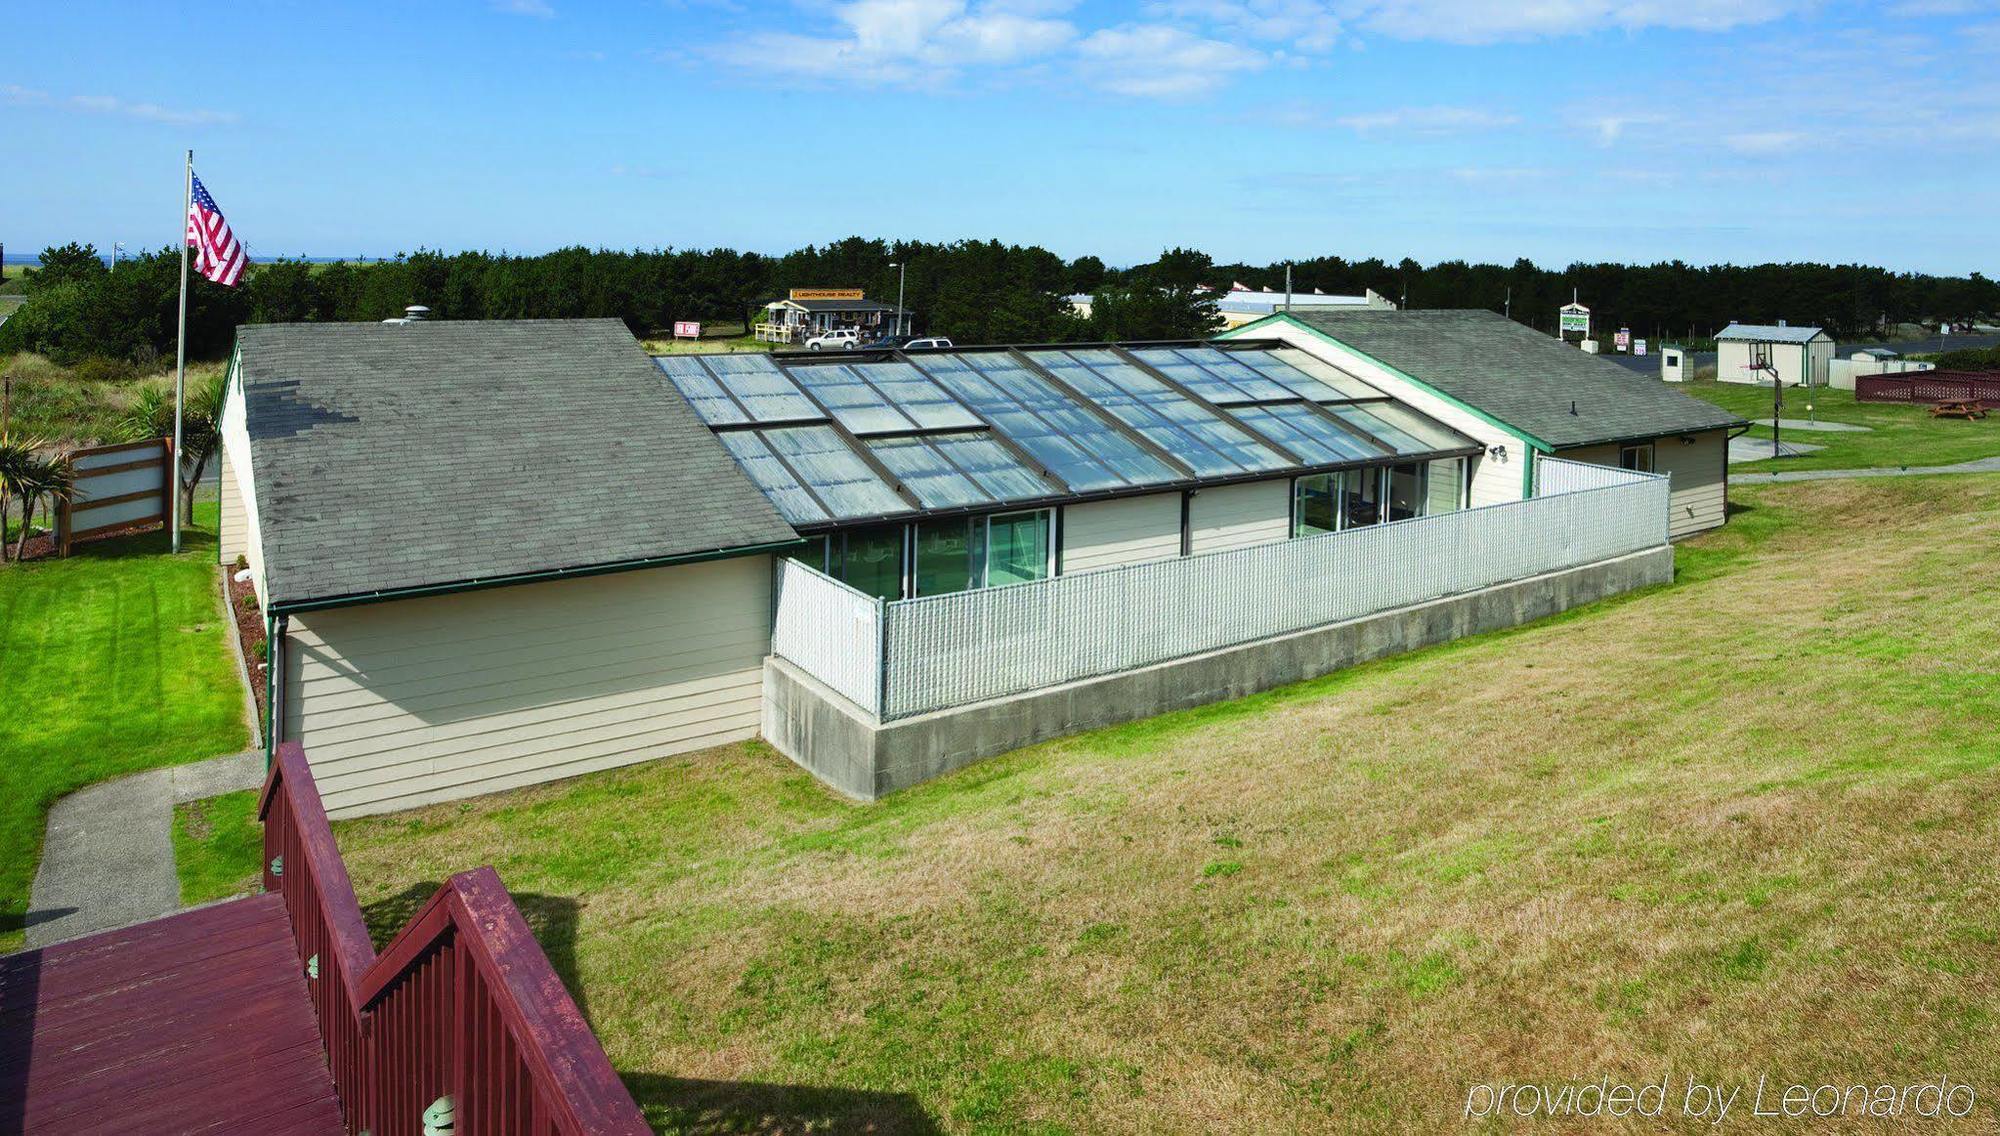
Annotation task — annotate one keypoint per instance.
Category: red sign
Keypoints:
(687, 329)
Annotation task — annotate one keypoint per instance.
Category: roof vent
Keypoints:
(1572, 408)
(416, 313)
(1781, 323)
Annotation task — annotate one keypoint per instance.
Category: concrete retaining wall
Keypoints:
(845, 747)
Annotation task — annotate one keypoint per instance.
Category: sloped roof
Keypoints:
(1519, 375)
(1769, 333)
(397, 456)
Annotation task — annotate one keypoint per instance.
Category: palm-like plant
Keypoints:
(44, 478)
(18, 456)
(152, 416)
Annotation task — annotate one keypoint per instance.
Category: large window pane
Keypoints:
(948, 555)
(870, 560)
(1447, 489)
(1314, 509)
(1406, 491)
(1361, 497)
(1017, 547)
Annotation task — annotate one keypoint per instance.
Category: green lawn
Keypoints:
(1898, 435)
(218, 847)
(1735, 826)
(112, 661)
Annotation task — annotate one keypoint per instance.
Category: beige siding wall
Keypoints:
(1696, 477)
(1237, 516)
(1133, 530)
(239, 532)
(1494, 480)
(423, 700)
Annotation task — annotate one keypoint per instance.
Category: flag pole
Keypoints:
(180, 352)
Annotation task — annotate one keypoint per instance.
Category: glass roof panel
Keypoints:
(918, 397)
(1080, 448)
(835, 472)
(1188, 431)
(1304, 431)
(925, 472)
(1224, 381)
(1281, 361)
(701, 390)
(1429, 432)
(762, 389)
(852, 402)
(992, 465)
(771, 476)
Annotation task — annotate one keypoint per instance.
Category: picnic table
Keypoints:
(1967, 408)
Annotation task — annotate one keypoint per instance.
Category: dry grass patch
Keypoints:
(1736, 826)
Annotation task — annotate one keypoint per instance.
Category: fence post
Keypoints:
(881, 659)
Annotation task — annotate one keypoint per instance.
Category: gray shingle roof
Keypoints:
(397, 456)
(1768, 333)
(1519, 375)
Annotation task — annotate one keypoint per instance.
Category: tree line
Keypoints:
(973, 291)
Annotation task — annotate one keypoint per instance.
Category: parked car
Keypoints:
(842, 338)
(891, 342)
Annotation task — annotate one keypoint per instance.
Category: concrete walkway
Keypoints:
(1829, 427)
(1982, 465)
(108, 860)
(1748, 449)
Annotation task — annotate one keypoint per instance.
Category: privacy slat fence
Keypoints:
(117, 487)
(952, 650)
(831, 630)
(461, 1017)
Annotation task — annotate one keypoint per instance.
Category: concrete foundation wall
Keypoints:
(847, 749)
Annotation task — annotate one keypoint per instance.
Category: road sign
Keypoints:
(1623, 340)
(1574, 317)
(1638, 347)
(687, 329)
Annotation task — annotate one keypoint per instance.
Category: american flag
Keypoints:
(217, 255)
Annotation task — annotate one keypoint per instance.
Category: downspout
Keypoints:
(274, 684)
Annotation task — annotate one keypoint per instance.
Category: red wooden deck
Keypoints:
(196, 1022)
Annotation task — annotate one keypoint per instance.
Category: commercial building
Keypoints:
(807, 312)
(496, 553)
(1799, 356)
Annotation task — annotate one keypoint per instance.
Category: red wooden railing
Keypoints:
(462, 1004)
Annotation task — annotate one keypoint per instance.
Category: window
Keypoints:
(1639, 457)
(1315, 509)
(1447, 487)
(1017, 547)
(949, 551)
(868, 560)
(1406, 491)
(1361, 497)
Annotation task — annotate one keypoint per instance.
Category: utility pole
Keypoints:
(1510, 302)
(1288, 285)
(902, 271)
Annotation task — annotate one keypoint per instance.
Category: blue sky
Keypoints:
(1708, 130)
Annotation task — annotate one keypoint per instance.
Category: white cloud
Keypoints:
(1761, 142)
(112, 105)
(1426, 120)
(1163, 61)
(1609, 128)
(539, 9)
(1302, 25)
(1485, 21)
(907, 41)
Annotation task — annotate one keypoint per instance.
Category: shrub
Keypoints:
(98, 369)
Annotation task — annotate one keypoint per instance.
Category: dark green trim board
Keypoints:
(475, 585)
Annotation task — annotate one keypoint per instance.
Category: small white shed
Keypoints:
(1799, 356)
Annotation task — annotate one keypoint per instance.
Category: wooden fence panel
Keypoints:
(117, 487)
